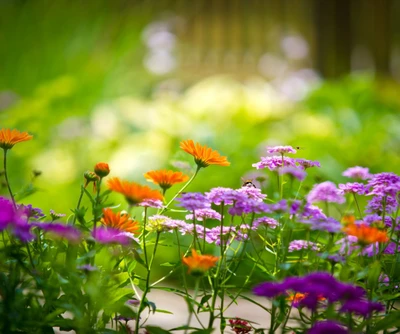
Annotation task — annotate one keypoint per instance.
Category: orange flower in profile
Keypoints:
(119, 221)
(165, 178)
(102, 169)
(297, 297)
(365, 234)
(199, 264)
(8, 138)
(203, 155)
(134, 193)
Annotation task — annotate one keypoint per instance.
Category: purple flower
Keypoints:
(248, 206)
(336, 258)
(106, 235)
(294, 207)
(280, 207)
(269, 289)
(355, 188)
(322, 224)
(193, 201)
(269, 222)
(384, 184)
(296, 245)
(87, 267)
(7, 212)
(274, 162)
(280, 149)
(213, 235)
(297, 173)
(372, 250)
(362, 307)
(325, 192)
(378, 204)
(61, 230)
(304, 163)
(202, 214)
(312, 211)
(251, 193)
(327, 327)
(223, 195)
(151, 203)
(31, 212)
(357, 172)
(348, 245)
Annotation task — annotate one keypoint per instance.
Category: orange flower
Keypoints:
(348, 219)
(102, 169)
(165, 178)
(203, 155)
(134, 193)
(297, 297)
(199, 264)
(8, 138)
(366, 235)
(119, 221)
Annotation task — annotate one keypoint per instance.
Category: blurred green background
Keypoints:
(125, 81)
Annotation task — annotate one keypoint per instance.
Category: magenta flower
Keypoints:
(327, 327)
(60, 230)
(267, 221)
(151, 203)
(251, 193)
(304, 163)
(221, 195)
(325, 192)
(274, 162)
(357, 172)
(106, 235)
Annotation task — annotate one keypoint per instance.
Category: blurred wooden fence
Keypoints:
(232, 35)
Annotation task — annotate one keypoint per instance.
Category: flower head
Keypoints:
(203, 214)
(297, 173)
(134, 193)
(357, 172)
(302, 244)
(327, 327)
(274, 162)
(240, 326)
(119, 221)
(102, 169)
(366, 235)
(193, 201)
(199, 264)
(203, 155)
(54, 215)
(8, 138)
(60, 230)
(325, 191)
(105, 235)
(280, 149)
(304, 163)
(353, 188)
(165, 178)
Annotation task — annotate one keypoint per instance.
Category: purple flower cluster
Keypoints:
(151, 203)
(328, 326)
(193, 201)
(15, 219)
(321, 284)
(280, 149)
(304, 163)
(357, 172)
(353, 188)
(31, 212)
(295, 172)
(251, 193)
(379, 204)
(325, 192)
(274, 162)
(203, 214)
(68, 232)
(221, 195)
(266, 221)
(54, 215)
(296, 245)
(328, 224)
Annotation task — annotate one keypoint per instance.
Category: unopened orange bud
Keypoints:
(90, 176)
(102, 169)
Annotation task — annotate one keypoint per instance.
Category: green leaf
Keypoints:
(390, 321)
(203, 301)
(373, 275)
(168, 264)
(156, 330)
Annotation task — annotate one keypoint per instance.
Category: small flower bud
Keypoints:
(102, 169)
(90, 176)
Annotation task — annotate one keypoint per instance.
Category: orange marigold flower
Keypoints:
(199, 264)
(365, 234)
(348, 219)
(203, 155)
(165, 178)
(134, 193)
(102, 169)
(8, 138)
(119, 221)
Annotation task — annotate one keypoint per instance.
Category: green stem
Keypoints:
(147, 286)
(181, 190)
(193, 302)
(358, 207)
(6, 177)
(78, 205)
